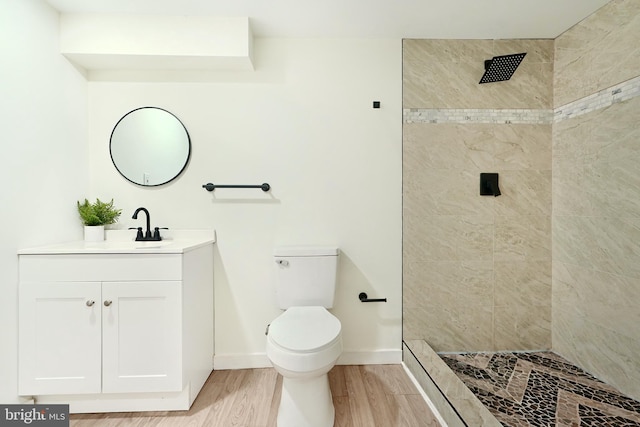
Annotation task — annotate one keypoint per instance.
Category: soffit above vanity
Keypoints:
(97, 42)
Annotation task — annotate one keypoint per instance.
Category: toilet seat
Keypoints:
(308, 329)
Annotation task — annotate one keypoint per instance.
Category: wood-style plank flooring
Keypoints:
(363, 395)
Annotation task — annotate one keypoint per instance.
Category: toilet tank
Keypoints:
(305, 275)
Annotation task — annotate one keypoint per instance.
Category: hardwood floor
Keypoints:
(363, 395)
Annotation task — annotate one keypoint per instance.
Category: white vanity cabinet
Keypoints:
(60, 338)
(107, 330)
(142, 337)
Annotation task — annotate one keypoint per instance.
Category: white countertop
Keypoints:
(123, 242)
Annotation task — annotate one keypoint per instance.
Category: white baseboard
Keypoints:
(260, 360)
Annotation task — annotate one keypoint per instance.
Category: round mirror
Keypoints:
(149, 146)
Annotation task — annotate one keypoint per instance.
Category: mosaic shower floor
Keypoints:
(541, 389)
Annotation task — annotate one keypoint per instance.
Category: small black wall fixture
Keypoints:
(501, 68)
(363, 297)
(489, 184)
(210, 187)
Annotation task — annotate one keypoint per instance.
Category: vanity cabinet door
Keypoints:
(142, 336)
(60, 338)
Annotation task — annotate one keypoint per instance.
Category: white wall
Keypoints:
(43, 117)
(304, 123)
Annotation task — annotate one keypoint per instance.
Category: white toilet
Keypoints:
(305, 341)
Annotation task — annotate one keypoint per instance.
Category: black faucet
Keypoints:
(147, 235)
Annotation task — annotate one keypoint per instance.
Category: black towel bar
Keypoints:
(210, 187)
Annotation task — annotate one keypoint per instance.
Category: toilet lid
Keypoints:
(304, 328)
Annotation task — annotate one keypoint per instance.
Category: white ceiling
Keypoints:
(443, 19)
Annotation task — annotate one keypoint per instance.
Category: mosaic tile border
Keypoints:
(458, 115)
(601, 99)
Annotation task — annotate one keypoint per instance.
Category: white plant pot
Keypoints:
(93, 233)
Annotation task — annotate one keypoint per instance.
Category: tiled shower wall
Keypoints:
(596, 197)
(477, 269)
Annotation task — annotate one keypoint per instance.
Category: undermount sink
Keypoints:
(128, 244)
(151, 245)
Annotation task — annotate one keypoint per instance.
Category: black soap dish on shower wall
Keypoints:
(501, 68)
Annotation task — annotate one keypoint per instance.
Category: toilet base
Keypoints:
(306, 402)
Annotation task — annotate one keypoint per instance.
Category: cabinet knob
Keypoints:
(107, 303)
(90, 303)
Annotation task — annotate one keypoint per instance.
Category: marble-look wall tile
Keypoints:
(424, 52)
(449, 304)
(415, 290)
(476, 147)
(522, 313)
(598, 52)
(606, 244)
(538, 51)
(451, 235)
(519, 147)
(446, 74)
(596, 200)
(522, 238)
(414, 322)
(468, 283)
(606, 353)
(572, 159)
(522, 327)
(449, 146)
(524, 192)
(602, 139)
(609, 300)
(595, 160)
(568, 141)
(437, 70)
(447, 238)
(525, 283)
(459, 327)
(444, 192)
(573, 338)
(615, 131)
(442, 163)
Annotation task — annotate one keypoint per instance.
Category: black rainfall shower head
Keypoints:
(501, 68)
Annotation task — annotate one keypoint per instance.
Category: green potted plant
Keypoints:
(95, 216)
